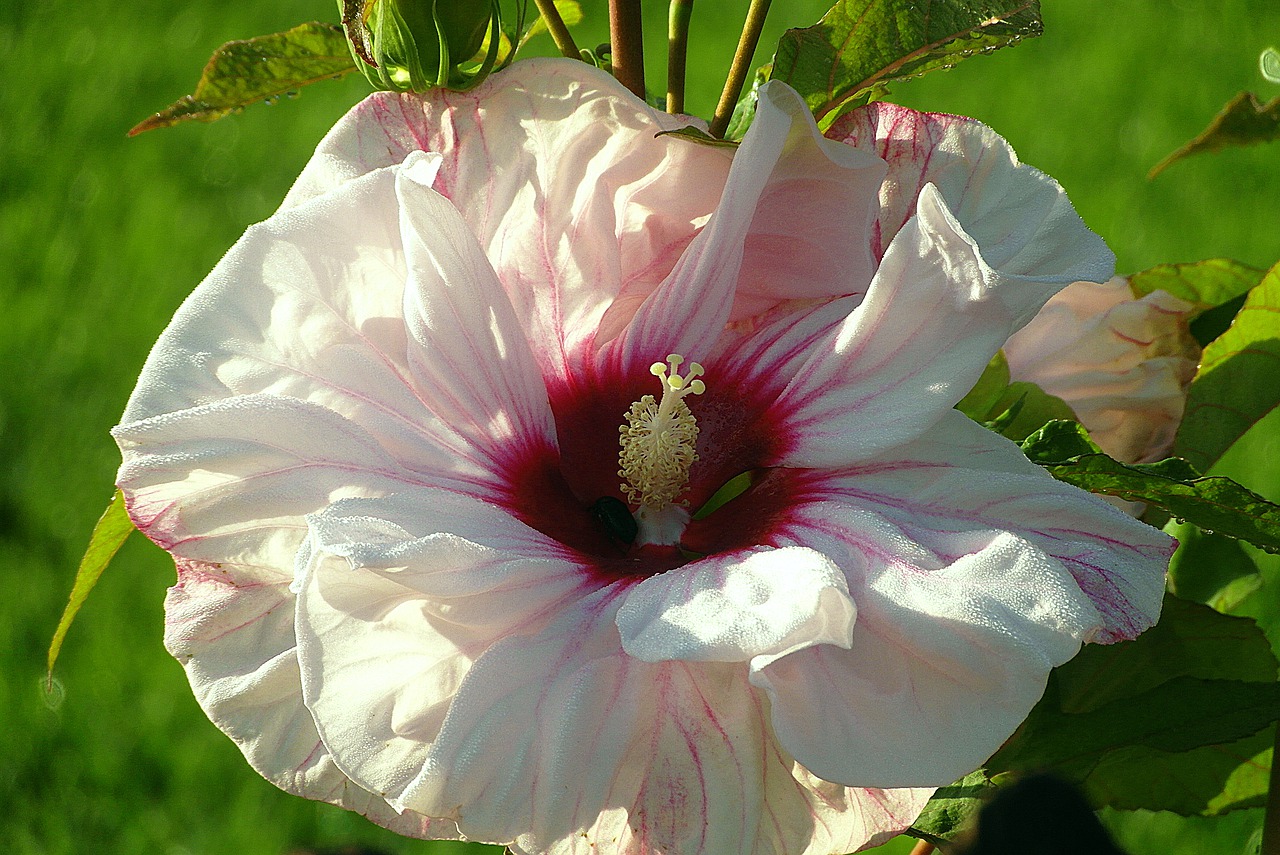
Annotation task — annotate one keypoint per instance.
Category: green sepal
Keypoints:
(416, 45)
(1012, 409)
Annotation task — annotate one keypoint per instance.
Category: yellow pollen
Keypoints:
(659, 437)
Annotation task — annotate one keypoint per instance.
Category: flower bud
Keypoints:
(1122, 362)
(418, 44)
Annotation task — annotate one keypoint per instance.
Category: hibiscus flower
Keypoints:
(467, 542)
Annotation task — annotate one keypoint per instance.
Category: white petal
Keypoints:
(809, 236)
(756, 606)
(1020, 217)
(961, 477)
(565, 744)
(287, 379)
(950, 653)
(788, 192)
(229, 482)
(470, 349)
(236, 642)
(558, 171)
(306, 311)
(395, 603)
(915, 345)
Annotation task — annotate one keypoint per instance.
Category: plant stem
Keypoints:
(924, 847)
(677, 51)
(626, 38)
(741, 66)
(1271, 820)
(556, 26)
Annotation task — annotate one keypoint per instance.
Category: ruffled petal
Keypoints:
(558, 171)
(933, 317)
(1019, 217)
(396, 600)
(564, 744)
(736, 607)
(236, 643)
(304, 313)
(948, 657)
(808, 237)
(961, 477)
(790, 225)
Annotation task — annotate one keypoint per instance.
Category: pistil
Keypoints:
(657, 443)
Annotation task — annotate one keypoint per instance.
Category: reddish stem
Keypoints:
(627, 44)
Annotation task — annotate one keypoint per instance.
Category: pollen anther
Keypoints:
(659, 436)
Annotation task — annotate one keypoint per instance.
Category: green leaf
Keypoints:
(1178, 715)
(952, 808)
(980, 403)
(1207, 781)
(1168, 721)
(1249, 780)
(1216, 504)
(1207, 568)
(1243, 121)
(109, 534)
(1058, 442)
(860, 45)
(1191, 640)
(256, 70)
(1014, 410)
(744, 112)
(1236, 383)
(1205, 284)
(699, 136)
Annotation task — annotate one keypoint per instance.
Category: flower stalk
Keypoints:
(677, 52)
(626, 40)
(559, 30)
(741, 66)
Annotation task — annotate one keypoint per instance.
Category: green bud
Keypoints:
(419, 44)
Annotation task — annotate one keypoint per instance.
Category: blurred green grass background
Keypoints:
(101, 237)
